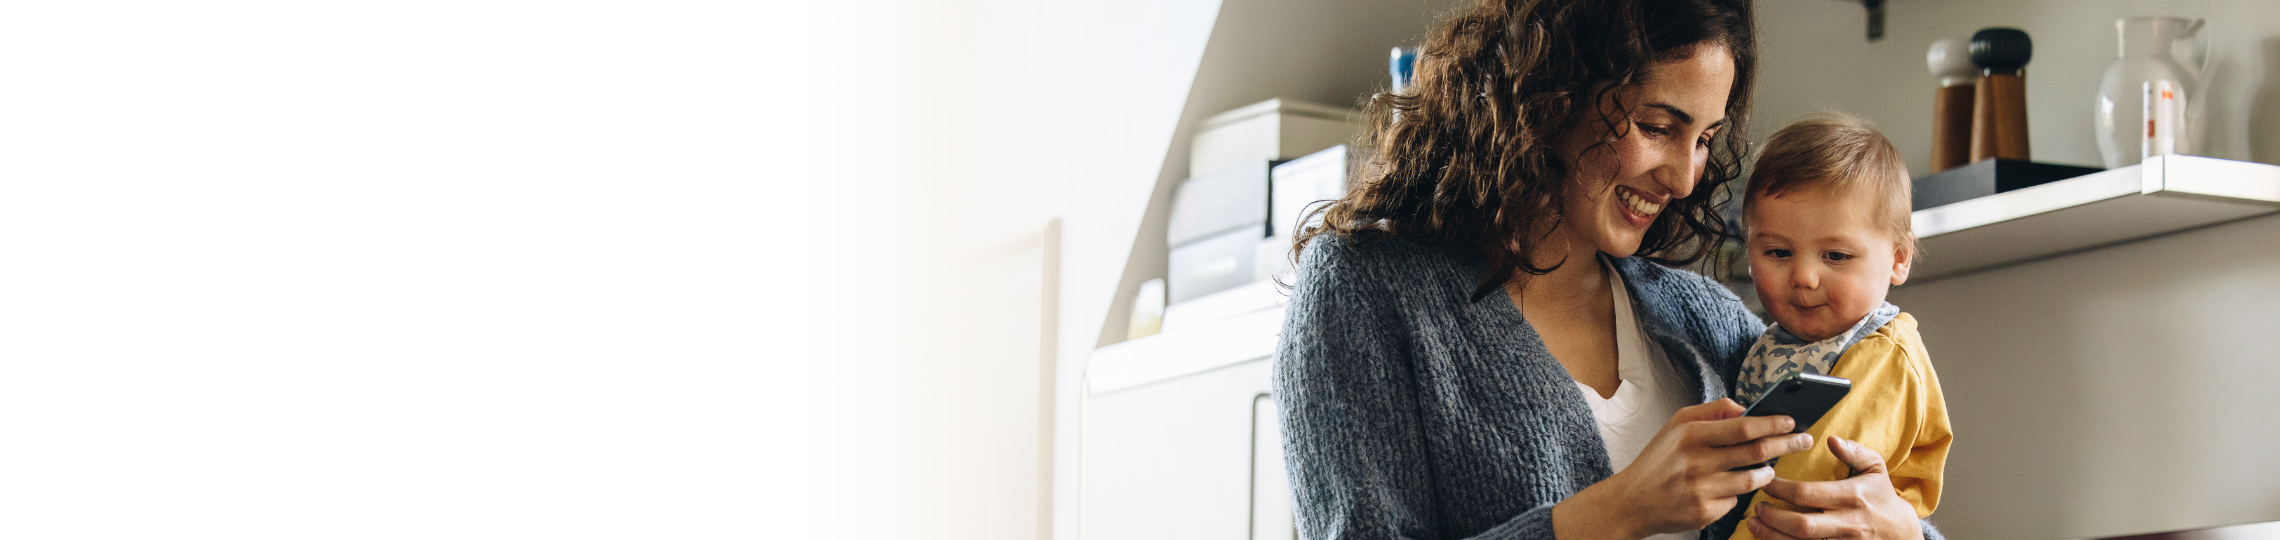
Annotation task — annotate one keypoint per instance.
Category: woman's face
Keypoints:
(1653, 156)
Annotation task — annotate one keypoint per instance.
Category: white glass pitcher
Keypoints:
(2161, 58)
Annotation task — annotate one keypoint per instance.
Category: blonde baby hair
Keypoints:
(1839, 153)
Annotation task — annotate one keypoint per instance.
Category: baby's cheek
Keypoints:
(1769, 283)
(1769, 296)
(1855, 300)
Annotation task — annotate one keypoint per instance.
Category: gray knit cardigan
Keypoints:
(1411, 411)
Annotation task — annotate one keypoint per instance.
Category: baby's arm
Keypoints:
(1918, 459)
(1895, 408)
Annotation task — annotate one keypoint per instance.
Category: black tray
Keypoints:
(1988, 177)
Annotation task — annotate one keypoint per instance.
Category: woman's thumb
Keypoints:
(1859, 457)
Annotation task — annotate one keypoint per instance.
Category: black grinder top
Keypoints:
(2001, 51)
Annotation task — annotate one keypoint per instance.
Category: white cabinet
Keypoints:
(1181, 439)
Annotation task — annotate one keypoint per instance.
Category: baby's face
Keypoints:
(1822, 261)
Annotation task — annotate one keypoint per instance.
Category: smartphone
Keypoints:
(1804, 397)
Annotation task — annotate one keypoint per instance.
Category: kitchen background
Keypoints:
(2068, 371)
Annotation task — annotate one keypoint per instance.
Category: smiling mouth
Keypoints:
(1640, 211)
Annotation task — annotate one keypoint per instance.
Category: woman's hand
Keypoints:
(1863, 506)
(1682, 480)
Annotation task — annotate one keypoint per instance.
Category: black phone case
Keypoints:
(1805, 397)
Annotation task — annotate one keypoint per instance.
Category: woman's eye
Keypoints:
(1704, 142)
(1654, 130)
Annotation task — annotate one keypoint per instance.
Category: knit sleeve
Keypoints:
(1344, 382)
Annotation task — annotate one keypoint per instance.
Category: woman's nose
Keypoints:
(1683, 170)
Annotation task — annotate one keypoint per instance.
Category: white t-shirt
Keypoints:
(1649, 394)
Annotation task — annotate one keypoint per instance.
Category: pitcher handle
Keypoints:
(2200, 54)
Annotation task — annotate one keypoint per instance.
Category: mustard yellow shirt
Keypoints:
(1894, 408)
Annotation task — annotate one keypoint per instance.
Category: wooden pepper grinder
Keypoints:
(1950, 60)
(1999, 114)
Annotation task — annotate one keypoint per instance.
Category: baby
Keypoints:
(1828, 234)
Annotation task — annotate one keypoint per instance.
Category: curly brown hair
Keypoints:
(1468, 156)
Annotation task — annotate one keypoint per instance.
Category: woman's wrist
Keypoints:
(1593, 515)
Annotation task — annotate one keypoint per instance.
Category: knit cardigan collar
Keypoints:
(1660, 313)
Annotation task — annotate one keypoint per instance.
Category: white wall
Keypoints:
(497, 268)
(1816, 56)
(2118, 391)
(1098, 87)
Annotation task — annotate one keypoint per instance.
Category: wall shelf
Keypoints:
(2163, 195)
(1161, 357)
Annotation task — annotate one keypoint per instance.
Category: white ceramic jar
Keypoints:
(2161, 57)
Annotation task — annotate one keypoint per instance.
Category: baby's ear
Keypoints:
(1902, 256)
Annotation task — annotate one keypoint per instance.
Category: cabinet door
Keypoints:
(1193, 457)
(1270, 486)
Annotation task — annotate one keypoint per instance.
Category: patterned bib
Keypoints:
(1779, 354)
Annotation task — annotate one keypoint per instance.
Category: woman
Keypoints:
(1480, 343)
